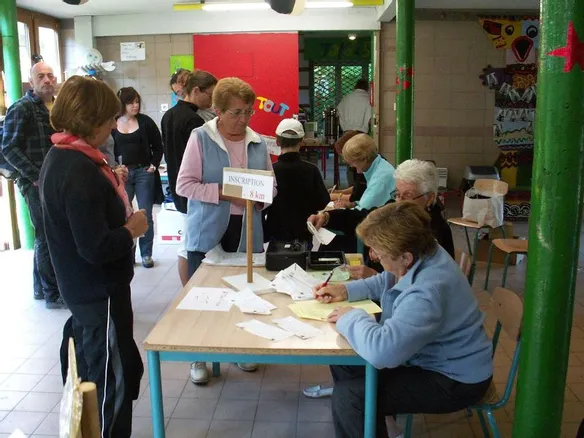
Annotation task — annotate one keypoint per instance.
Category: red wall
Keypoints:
(267, 61)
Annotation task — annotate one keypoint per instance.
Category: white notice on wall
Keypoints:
(135, 51)
(254, 185)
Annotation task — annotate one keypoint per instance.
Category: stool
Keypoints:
(466, 224)
(509, 247)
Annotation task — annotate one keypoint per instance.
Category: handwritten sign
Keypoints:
(273, 148)
(135, 51)
(250, 184)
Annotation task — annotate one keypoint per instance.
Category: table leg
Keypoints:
(323, 159)
(156, 394)
(216, 369)
(336, 176)
(370, 400)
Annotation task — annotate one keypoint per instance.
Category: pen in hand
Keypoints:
(328, 279)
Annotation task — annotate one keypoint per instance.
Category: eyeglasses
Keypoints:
(239, 113)
(406, 196)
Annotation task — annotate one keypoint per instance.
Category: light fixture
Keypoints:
(352, 36)
(256, 6)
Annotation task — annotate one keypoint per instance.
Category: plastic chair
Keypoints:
(508, 308)
(509, 247)
(491, 185)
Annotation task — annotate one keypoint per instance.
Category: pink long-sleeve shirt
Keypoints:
(190, 177)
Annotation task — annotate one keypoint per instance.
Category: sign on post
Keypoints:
(249, 184)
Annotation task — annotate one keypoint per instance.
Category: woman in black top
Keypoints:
(90, 229)
(138, 146)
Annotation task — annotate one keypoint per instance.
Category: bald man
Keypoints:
(25, 142)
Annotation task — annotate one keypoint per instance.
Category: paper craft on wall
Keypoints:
(181, 61)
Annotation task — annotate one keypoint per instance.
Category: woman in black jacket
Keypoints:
(138, 146)
(90, 229)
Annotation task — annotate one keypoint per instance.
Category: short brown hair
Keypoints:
(128, 95)
(200, 79)
(399, 228)
(179, 77)
(360, 148)
(229, 88)
(83, 104)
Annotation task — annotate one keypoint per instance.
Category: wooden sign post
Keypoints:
(253, 186)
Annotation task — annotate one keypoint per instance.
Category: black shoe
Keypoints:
(147, 262)
(56, 304)
(38, 295)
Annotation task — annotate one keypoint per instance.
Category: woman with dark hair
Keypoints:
(138, 146)
(177, 125)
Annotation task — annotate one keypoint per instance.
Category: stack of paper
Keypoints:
(206, 298)
(218, 257)
(288, 327)
(296, 282)
(248, 302)
(299, 328)
(319, 311)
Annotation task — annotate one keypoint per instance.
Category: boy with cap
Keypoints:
(301, 190)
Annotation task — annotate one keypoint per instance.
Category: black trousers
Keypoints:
(402, 390)
(108, 356)
(229, 243)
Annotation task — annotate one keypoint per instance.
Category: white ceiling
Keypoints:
(58, 8)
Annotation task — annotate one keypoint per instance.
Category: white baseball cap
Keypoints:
(290, 128)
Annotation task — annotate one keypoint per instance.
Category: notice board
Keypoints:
(267, 61)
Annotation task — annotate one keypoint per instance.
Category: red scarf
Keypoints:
(68, 141)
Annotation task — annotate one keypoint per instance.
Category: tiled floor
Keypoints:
(266, 404)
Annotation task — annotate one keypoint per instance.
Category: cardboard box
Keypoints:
(169, 226)
(497, 233)
(498, 255)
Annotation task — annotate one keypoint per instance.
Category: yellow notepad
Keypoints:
(314, 310)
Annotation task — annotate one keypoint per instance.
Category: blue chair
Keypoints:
(508, 308)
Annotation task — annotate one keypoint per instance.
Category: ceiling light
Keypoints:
(324, 5)
(255, 6)
(352, 36)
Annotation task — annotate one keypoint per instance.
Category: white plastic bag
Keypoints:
(488, 211)
(170, 226)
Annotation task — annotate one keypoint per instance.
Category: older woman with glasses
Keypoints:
(429, 346)
(213, 218)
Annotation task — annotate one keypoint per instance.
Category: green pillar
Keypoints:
(9, 32)
(554, 227)
(405, 42)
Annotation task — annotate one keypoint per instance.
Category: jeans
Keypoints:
(141, 183)
(402, 390)
(44, 279)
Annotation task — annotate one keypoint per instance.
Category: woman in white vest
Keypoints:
(213, 218)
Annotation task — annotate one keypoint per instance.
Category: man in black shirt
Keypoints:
(301, 190)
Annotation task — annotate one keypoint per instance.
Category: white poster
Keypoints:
(254, 185)
(133, 51)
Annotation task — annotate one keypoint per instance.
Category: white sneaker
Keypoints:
(249, 367)
(199, 373)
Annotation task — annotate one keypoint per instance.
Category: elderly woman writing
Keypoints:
(361, 153)
(429, 345)
(213, 218)
(90, 231)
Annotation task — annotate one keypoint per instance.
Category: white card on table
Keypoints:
(263, 330)
(299, 328)
(206, 298)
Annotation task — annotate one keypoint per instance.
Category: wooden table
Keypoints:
(191, 336)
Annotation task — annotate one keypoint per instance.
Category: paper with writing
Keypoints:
(322, 235)
(263, 330)
(248, 302)
(319, 311)
(206, 298)
(296, 282)
(299, 328)
(255, 185)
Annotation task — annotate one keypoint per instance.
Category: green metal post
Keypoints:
(405, 42)
(10, 52)
(554, 228)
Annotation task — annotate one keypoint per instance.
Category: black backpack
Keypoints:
(6, 169)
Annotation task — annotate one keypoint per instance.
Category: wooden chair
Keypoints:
(508, 308)
(509, 247)
(491, 185)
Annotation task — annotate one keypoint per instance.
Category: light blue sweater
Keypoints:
(430, 319)
(380, 184)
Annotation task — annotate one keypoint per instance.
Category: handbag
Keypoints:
(158, 193)
(483, 207)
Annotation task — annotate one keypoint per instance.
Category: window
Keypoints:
(49, 49)
(25, 50)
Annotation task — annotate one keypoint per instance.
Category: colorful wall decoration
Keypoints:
(267, 61)
(515, 102)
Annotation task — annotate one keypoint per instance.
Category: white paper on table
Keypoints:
(218, 257)
(206, 298)
(296, 282)
(299, 328)
(249, 302)
(263, 330)
(322, 235)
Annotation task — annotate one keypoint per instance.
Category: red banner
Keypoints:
(267, 61)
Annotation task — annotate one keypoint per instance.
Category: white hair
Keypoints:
(421, 173)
